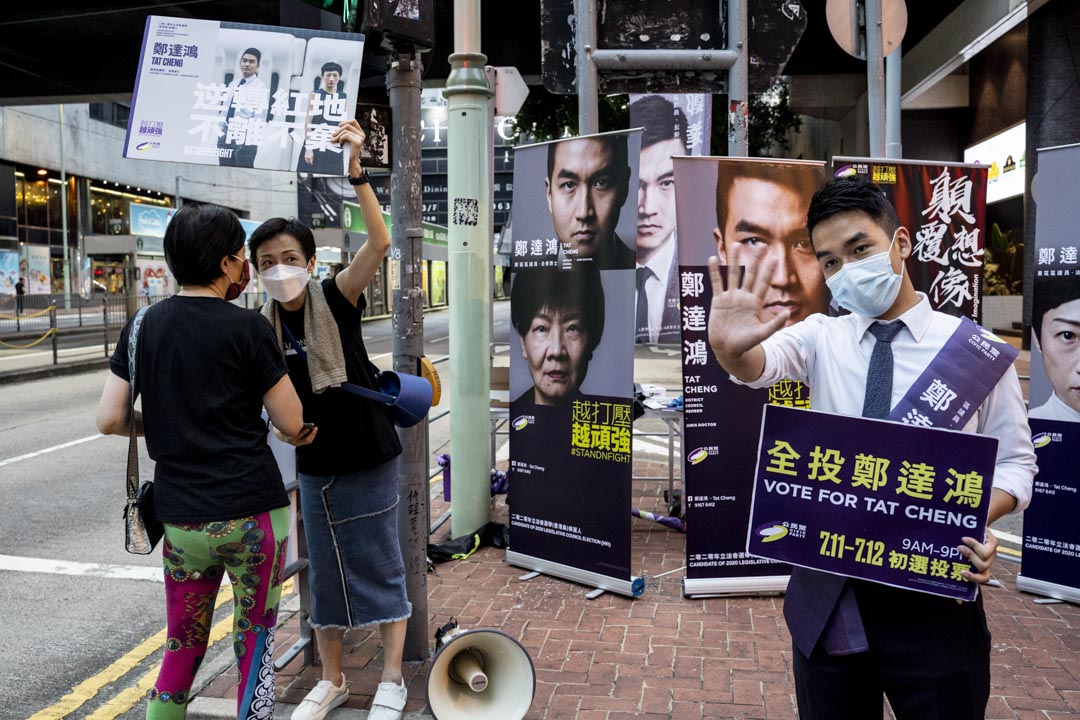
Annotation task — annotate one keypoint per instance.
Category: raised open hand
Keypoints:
(735, 316)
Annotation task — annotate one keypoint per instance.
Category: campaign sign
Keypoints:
(1051, 534)
(870, 499)
(238, 95)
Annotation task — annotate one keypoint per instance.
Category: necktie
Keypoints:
(641, 328)
(879, 375)
(845, 632)
(232, 99)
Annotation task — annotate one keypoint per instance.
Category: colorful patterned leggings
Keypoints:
(252, 551)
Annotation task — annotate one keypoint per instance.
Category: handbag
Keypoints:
(142, 530)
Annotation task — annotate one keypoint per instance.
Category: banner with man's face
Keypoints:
(238, 95)
(672, 125)
(752, 208)
(943, 206)
(1051, 556)
(571, 356)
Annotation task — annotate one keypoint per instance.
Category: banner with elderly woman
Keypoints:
(238, 95)
(571, 359)
(1051, 556)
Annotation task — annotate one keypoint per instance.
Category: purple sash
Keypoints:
(958, 379)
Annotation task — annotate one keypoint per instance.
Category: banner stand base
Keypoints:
(633, 587)
(1049, 589)
(764, 585)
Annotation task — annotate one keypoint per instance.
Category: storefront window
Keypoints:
(438, 282)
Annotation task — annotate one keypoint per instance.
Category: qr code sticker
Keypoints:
(466, 211)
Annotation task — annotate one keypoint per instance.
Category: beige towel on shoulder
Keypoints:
(325, 358)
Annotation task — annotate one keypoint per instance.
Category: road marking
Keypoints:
(439, 340)
(46, 451)
(1008, 551)
(123, 701)
(373, 358)
(67, 567)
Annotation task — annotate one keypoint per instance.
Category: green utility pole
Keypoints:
(469, 191)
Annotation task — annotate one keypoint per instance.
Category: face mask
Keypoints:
(867, 287)
(285, 282)
(235, 288)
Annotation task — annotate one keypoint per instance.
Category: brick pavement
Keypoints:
(666, 656)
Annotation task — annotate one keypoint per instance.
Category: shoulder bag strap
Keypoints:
(347, 387)
(133, 446)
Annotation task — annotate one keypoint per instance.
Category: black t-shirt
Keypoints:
(354, 433)
(203, 368)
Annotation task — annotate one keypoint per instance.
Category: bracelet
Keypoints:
(364, 179)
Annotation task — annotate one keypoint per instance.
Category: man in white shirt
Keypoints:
(854, 641)
(1055, 322)
(246, 102)
(665, 134)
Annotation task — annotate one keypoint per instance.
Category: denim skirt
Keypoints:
(356, 571)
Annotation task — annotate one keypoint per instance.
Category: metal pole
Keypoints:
(469, 191)
(893, 145)
(587, 83)
(63, 216)
(738, 81)
(177, 202)
(406, 234)
(875, 77)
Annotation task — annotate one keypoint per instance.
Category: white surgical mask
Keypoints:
(285, 282)
(867, 287)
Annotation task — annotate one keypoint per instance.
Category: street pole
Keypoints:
(469, 191)
(63, 216)
(738, 81)
(177, 203)
(406, 238)
(587, 84)
(893, 143)
(875, 77)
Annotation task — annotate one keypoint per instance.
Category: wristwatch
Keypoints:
(364, 179)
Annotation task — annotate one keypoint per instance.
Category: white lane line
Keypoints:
(380, 356)
(67, 567)
(649, 447)
(46, 451)
(85, 350)
(439, 340)
(1009, 537)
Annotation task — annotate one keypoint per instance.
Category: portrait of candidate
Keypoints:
(587, 183)
(761, 207)
(657, 301)
(246, 98)
(1055, 323)
(559, 318)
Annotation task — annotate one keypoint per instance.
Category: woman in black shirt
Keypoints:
(349, 473)
(205, 368)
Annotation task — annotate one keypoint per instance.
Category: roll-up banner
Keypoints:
(571, 359)
(671, 125)
(239, 95)
(760, 205)
(943, 206)
(1051, 555)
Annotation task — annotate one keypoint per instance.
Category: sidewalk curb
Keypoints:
(225, 709)
(51, 371)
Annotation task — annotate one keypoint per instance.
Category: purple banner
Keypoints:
(870, 499)
(1051, 534)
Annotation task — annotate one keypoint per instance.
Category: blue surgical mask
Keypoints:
(867, 287)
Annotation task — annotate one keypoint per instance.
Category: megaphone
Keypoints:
(479, 674)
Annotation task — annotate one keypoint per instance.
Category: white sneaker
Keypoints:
(323, 698)
(389, 701)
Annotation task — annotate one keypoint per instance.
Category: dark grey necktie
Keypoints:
(844, 632)
(879, 375)
(641, 329)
